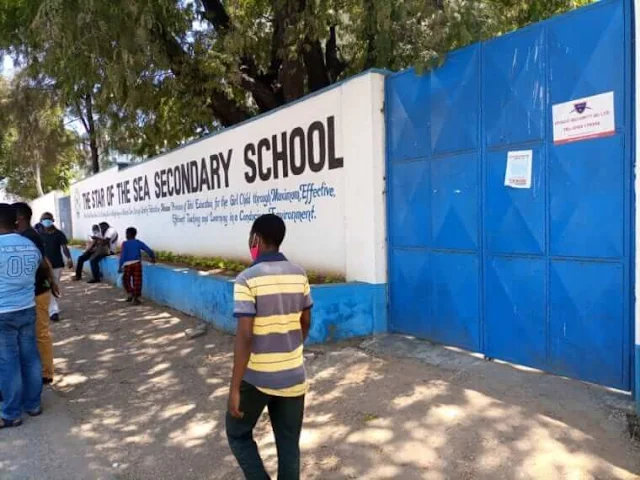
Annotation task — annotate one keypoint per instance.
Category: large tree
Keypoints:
(150, 74)
(38, 153)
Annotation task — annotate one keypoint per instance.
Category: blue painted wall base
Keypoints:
(340, 311)
(636, 391)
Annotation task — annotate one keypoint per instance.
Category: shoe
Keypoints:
(76, 279)
(93, 280)
(47, 381)
(129, 299)
(55, 317)
(137, 301)
(35, 413)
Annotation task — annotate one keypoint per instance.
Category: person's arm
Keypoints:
(65, 249)
(244, 309)
(122, 257)
(305, 318)
(241, 354)
(145, 248)
(305, 323)
(48, 271)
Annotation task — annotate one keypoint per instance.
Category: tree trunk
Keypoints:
(38, 176)
(85, 112)
(93, 140)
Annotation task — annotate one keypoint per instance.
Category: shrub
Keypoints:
(221, 266)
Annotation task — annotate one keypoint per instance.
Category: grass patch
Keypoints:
(218, 265)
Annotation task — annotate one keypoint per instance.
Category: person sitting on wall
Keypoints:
(107, 246)
(92, 240)
(93, 243)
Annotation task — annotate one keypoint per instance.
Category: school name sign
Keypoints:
(299, 163)
(293, 153)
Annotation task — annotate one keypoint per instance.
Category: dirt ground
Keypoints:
(144, 402)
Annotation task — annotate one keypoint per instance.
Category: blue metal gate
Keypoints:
(538, 276)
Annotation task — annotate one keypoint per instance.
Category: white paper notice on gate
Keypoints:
(584, 118)
(518, 171)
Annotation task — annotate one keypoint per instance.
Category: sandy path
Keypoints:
(146, 403)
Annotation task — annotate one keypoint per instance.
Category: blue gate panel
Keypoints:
(592, 61)
(454, 201)
(455, 102)
(514, 91)
(539, 276)
(409, 226)
(515, 327)
(515, 217)
(587, 198)
(455, 318)
(408, 104)
(586, 322)
(411, 295)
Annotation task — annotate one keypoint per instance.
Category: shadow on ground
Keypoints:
(151, 404)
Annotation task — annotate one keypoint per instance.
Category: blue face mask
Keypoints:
(47, 223)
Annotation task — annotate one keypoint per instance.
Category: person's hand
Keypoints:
(55, 290)
(234, 404)
(70, 264)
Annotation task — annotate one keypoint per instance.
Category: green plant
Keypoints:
(221, 266)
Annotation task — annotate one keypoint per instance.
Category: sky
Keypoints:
(7, 67)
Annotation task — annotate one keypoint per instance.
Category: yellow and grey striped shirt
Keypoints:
(275, 292)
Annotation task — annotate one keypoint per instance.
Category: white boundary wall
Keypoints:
(46, 203)
(201, 199)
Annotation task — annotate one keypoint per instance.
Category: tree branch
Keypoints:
(370, 55)
(227, 111)
(317, 75)
(335, 66)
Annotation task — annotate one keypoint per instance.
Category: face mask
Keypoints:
(47, 223)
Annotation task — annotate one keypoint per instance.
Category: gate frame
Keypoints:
(633, 41)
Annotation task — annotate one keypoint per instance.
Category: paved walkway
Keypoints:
(135, 399)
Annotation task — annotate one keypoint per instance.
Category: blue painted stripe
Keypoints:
(340, 311)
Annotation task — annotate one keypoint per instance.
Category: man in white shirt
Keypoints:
(107, 246)
(93, 244)
(110, 236)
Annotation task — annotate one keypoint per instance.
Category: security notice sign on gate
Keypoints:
(584, 118)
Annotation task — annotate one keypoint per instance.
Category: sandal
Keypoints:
(4, 423)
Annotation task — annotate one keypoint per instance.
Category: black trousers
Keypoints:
(286, 420)
(95, 264)
(80, 263)
(94, 257)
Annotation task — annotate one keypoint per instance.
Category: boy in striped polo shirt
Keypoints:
(272, 303)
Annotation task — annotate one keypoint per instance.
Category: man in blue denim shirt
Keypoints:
(20, 368)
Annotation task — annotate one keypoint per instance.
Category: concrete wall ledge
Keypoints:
(340, 311)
